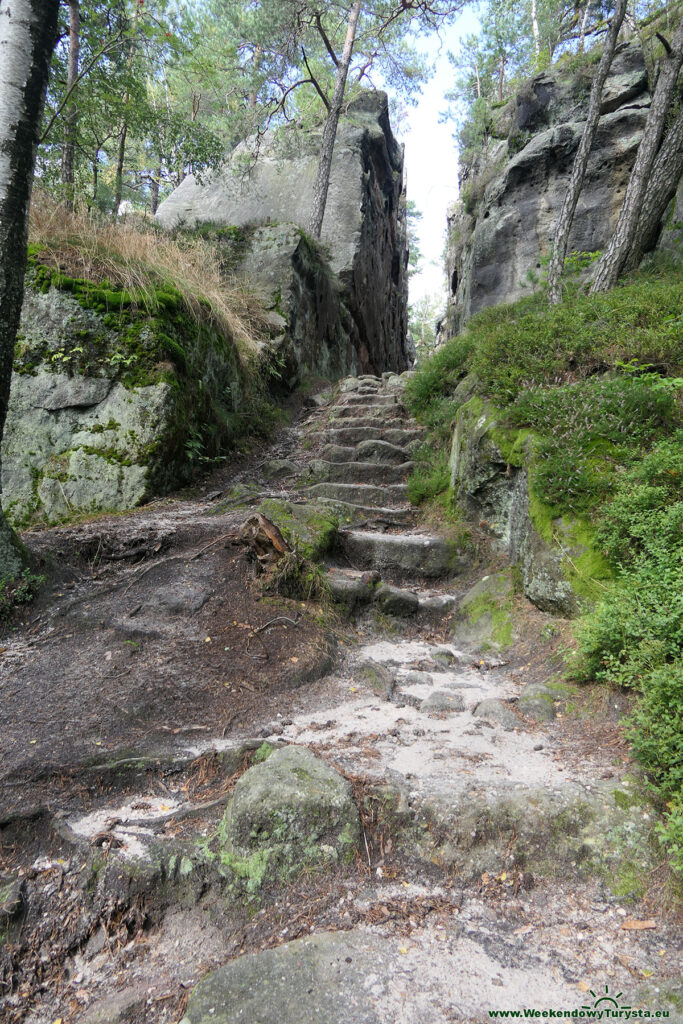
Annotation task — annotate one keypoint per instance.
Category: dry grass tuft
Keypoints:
(141, 260)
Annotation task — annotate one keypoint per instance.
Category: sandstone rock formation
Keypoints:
(364, 230)
(511, 193)
(110, 407)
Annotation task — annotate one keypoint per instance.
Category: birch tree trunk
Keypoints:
(71, 121)
(615, 256)
(535, 29)
(662, 186)
(322, 182)
(571, 198)
(28, 32)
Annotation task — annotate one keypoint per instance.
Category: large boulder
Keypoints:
(511, 194)
(290, 811)
(364, 227)
(111, 403)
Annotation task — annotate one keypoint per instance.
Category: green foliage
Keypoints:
(656, 734)
(638, 627)
(587, 430)
(17, 591)
(430, 478)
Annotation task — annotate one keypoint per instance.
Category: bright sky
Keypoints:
(432, 159)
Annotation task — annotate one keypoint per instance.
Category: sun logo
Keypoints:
(602, 1000)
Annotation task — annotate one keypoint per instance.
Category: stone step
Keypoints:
(380, 453)
(349, 511)
(360, 415)
(359, 472)
(347, 435)
(403, 555)
(356, 589)
(379, 399)
(360, 494)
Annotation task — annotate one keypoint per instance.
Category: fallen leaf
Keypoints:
(583, 986)
(208, 640)
(293, 659)
(629, 924)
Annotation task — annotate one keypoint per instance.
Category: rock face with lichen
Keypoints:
(511, 193)
(111, 404)
(364, 233)
(491, 471)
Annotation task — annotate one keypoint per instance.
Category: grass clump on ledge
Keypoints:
(137, 259)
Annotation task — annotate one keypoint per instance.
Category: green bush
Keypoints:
(655, 730)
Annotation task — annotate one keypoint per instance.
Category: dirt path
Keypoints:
(505, 860)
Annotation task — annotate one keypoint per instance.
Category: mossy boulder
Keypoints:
(291, 811)
(115, 398)
(484, 616)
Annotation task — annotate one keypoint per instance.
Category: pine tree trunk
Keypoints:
(571, 198)
(322, 182)
(662, 187)
(28, 32)
(615, 256)
(71, 120)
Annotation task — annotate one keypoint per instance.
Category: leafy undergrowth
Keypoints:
(595, 389)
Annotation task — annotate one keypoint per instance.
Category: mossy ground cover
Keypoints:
(589, 398)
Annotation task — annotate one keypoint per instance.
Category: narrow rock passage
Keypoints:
(502, 852)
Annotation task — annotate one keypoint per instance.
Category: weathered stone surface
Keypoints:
(537, 701)
(359, 494)
(96, 421)
(278, 469)
(495, 711)
(493, 489)
(294, 808)
(364, 224)
(514, 190)
(359, 472)
(63, 454)
(484, 616)
(394, 601)
(314, 330)
(321, 978)
(412, 555)
(350, 588)
(378, 677)
(439, 703)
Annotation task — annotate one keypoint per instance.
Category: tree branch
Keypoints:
(86, 70)
(323, 35)
(314, 82)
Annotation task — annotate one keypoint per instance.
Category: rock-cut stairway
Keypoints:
(368, 444)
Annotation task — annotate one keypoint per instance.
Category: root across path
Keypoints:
(328, 785)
